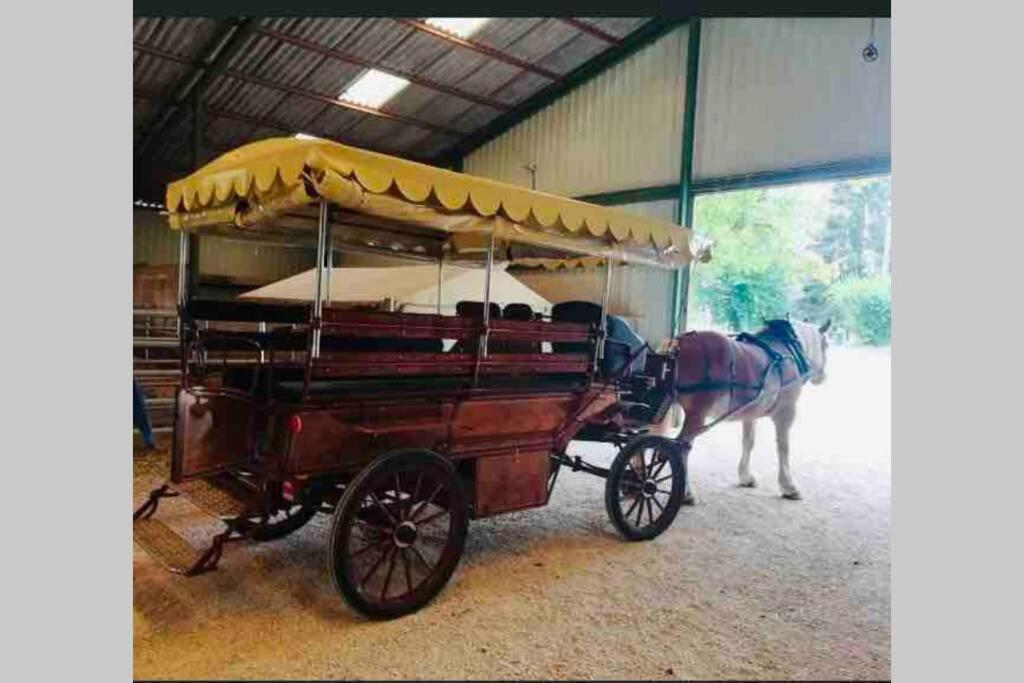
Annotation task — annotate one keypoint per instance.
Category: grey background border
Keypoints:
(66, 266)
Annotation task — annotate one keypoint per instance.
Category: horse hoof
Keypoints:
(795, 495)
(748, 483)
(688, 499)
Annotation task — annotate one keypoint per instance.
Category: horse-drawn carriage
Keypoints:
(403, 426)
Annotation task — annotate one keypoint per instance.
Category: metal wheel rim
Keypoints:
(644, 488)
(398, 538)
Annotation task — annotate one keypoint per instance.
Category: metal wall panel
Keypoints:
(775, 94)
(155, 244)
(620, 130)
(643, 296)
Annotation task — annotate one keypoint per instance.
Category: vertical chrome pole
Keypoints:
(182, 268)
(183, 302)
(329, 256)
(262, 330)
(602, 333)
(318, 300)
(487, 294)
(440, 269)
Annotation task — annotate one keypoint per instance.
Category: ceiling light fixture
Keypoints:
(373, 89)
(459, 26)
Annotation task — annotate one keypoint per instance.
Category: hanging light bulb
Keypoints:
(870, 52)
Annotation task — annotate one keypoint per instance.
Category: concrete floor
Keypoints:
(744, 585)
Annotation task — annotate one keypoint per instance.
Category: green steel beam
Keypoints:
(636, 196)
(684, 213)
(642, 37)
(839, 170)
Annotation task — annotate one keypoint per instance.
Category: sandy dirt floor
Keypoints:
(744, 584)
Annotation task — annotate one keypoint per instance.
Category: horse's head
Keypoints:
(814, 340)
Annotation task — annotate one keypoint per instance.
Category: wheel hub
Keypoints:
(405, 534)
(649, 488)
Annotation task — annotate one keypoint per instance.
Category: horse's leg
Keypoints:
(747, 479)
(692, 424)
(783, 418)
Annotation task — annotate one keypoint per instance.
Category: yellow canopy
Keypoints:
(264, 179)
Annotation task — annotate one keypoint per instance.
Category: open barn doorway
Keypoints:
(814, 251)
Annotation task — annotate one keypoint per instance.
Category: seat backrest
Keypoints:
(475, 309)
(516, 312)
(575, 312)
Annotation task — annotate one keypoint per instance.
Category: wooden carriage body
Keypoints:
(499, 418)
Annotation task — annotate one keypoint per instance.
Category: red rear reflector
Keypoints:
(288, 491)
(294, 424)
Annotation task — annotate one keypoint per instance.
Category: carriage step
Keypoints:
(164, 545)
(223, 497)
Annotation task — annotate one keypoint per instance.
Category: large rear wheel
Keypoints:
(645, 487)
(398, 533)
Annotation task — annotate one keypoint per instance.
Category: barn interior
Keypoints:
(769, 136)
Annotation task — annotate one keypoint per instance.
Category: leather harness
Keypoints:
(780, 331)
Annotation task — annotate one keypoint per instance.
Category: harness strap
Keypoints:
(775, 361)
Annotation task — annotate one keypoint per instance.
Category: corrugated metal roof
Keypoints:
(454, 87)
(184, 37)
(542, 40)
(573, 53)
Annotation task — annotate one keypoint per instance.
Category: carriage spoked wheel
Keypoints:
(645, 487)
(398, 533)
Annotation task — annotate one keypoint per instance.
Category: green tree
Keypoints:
(854, 238)
(812, 251)
(762, 264)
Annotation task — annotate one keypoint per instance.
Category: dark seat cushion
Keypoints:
(393, 344)
(516, 312)
(575, 312)
(475, 309)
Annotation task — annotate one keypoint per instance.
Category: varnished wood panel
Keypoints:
(510, 482)
(212, 432)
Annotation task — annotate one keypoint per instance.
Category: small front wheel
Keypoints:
(645, 487)
(398, 533)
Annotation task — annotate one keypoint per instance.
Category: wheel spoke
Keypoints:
(373, 568)
(372, 527)
(658, 481)
(408, 571)
(437, 490)
(387, 512)
(415, 493)
(657, 471)
(632, 507)
(430, 570)
(391, 570)
(362, 550)
(640, 511)
(650, 511)
(661, 508)
(667, 493)
(398, 494)
(432, 517)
